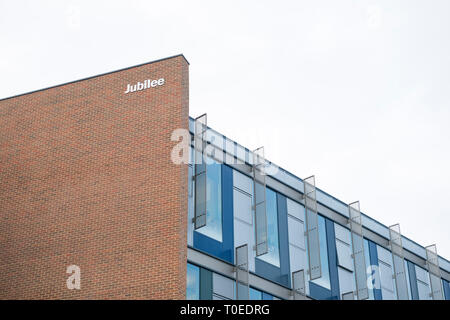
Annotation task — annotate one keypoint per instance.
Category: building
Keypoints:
(109, 190)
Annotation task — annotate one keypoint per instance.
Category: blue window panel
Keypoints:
(206, 284)
(285, 272)
(318, 292)
(324, 280)
(326, 287)
(332, 258)
(213, 228)
(373, 254)
(279, 274)
(221, 249)
(413, 280)
(446, 289)
(408, 283)
(267, 296)
(255, 294)
(273, 254)
(192, 282)
(259, 295)
(370, 271)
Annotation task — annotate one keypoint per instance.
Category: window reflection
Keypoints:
(192, 282)
(369, 271)
(408, 284)
(255, 294)
(213, 228)
(273, 254)
(323, 281)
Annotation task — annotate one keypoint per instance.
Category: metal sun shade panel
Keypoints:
(312, 227)
(298, 284)
(242, 273)
(259, 186)
(401, 283)
(435, 273)
(359, 261)
(200, 129)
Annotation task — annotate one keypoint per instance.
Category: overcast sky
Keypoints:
(354, 92)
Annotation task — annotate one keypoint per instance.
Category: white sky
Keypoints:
(355, 92)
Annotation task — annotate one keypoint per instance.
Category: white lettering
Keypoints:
(246, 309)
(180, 152)
(74, 280)
(192, 310)
(147, 84)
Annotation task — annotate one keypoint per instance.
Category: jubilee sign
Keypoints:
(146, 84)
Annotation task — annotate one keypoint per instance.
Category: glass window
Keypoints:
(273, 254)
(192, 282)
(369, 272)
(446, 286)
(255, 294)
(324, 280)
(213, 228)
(223, 287)
(407, 280)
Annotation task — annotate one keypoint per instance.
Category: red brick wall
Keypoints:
(86, 179)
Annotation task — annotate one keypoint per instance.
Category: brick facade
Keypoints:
(86, 179)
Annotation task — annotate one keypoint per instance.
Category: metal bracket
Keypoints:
(349, 223)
